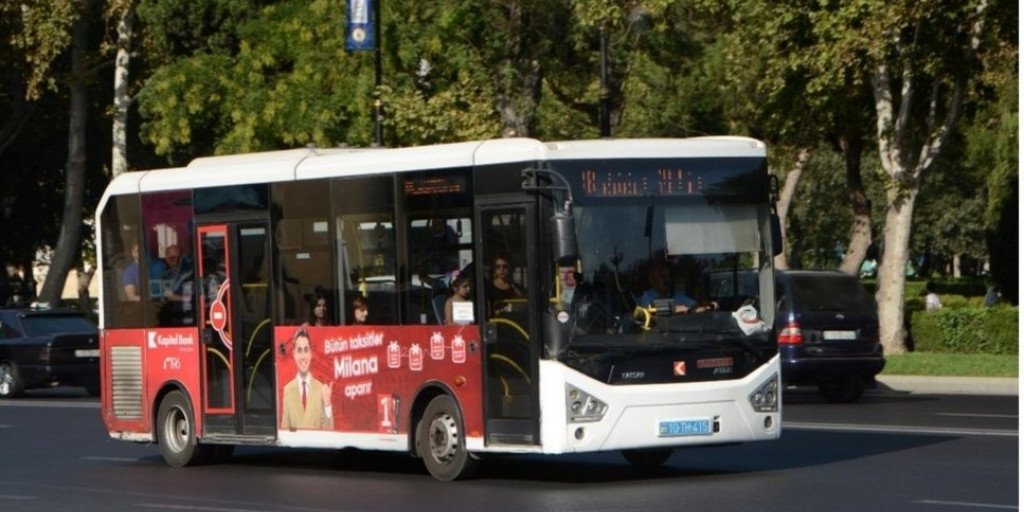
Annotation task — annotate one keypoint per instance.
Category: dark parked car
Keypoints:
(41, 348)
(826, 327)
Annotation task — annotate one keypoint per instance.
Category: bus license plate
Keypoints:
(95, 352)
(687, 427)
(839, 335)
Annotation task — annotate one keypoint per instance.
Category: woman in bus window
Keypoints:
(319, 312)
(501, 288)
(360, 310)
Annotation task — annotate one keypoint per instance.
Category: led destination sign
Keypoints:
(734, 178)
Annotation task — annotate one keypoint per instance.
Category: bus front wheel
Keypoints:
(176, 432)
(441, 441)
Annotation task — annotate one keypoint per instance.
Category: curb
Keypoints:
(927, 385)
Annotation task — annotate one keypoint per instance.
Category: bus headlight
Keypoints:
(766, 397)
(582, 407)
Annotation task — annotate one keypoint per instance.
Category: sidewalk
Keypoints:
(921, 385)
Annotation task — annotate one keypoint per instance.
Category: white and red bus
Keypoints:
(500, 296)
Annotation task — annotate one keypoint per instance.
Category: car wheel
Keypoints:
(441, 441)
(842, 392)
(10, 381)
(176, 432)
(647, 459)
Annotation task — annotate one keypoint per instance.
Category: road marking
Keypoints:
(890, 429)
(109, 459)
(15, 497)
(195, 508)
(966, 504)
(974, 415)
(49, 403)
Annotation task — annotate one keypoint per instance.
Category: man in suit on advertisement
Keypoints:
(307, 401)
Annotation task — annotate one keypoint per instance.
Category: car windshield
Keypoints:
(45, 325)
(831, 293)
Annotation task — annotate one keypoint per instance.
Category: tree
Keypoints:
(68, 248)
(928, 47)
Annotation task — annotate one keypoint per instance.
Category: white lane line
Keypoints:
(889, 429)
(50, 404)
(109, 459)
(966, 504)
(16, 497)
(974, 415)
(195, 508)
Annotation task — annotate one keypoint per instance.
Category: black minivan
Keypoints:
(826, 325)
(827, 331)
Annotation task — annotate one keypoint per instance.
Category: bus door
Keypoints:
(238, 372)
(505, 281)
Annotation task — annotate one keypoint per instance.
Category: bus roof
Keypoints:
(309, 163)
(717, 146)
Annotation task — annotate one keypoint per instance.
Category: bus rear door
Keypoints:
(238, 374)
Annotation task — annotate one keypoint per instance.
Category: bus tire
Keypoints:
(10, 381)
(176, 432)
(647, 459)
(441, 441)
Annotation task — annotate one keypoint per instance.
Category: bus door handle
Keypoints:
(490, 334)
(209, 335)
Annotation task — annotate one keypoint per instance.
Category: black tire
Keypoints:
(176, 432)
(647, 459)
(441, 442)
(11, 385)
(842, 392)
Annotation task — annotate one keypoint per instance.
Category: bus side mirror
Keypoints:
(563, 236)
(776, 235)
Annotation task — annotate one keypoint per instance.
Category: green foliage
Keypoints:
(969, 330)
(39, 31)
(962, 365)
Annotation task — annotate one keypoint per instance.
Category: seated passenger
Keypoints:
(462, 288)
(360, 310)
(319, 312)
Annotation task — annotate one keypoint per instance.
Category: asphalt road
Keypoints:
(892, 451)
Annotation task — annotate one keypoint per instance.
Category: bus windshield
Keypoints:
(664, 268)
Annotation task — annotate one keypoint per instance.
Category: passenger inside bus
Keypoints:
(360, 310)
(177, 282)
(458, 309)
(320, 310)
(130, 277)
(502, 289)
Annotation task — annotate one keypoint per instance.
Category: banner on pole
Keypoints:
(359, 31)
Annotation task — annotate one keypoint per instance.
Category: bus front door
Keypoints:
(506, 279)
(238, 373)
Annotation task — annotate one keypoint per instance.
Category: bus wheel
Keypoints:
(10, 382)
(647, 459)
(442, 443)
(176, 432)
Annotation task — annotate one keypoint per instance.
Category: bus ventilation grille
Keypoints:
(126, 382)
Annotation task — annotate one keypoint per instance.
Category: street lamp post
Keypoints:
(604, 109)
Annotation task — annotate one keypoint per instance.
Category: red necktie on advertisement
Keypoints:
(303, 394)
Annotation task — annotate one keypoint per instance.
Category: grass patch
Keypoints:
(958, 365)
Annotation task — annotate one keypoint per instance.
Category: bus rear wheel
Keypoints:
(176, 432)
(441, 441)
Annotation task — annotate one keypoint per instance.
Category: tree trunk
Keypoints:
(860, 230)
(119, 158)
(786, 198)
(68, 247)
(892, 277)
